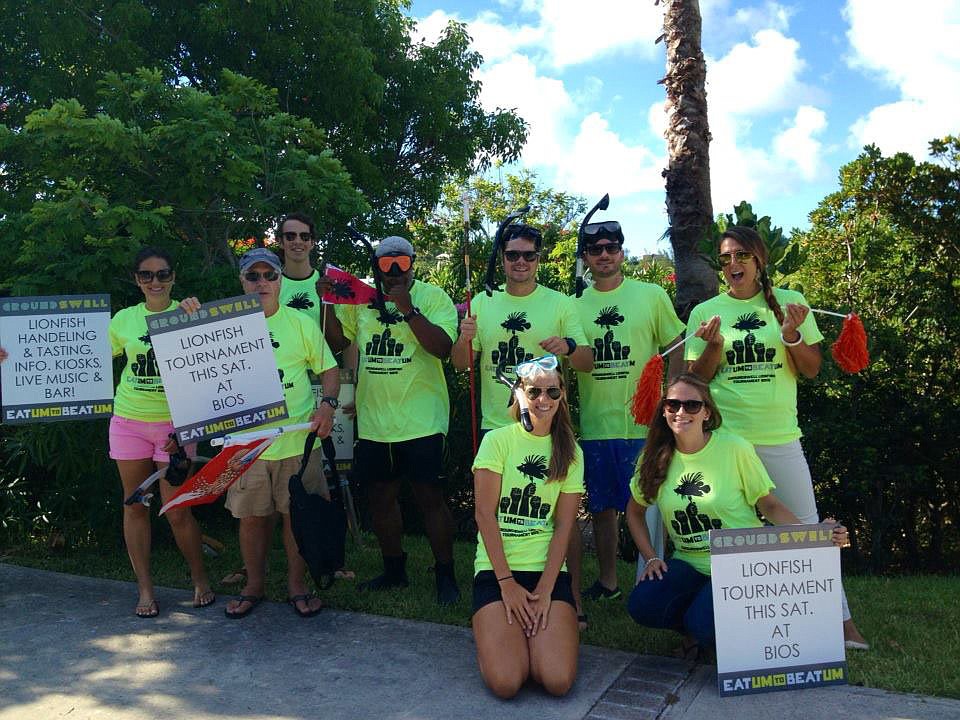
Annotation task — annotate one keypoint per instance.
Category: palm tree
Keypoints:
(689, 208)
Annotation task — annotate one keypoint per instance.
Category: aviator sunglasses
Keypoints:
(533, 392)
(254, 276)
(742, 256)
(145, 276)
(692, 407)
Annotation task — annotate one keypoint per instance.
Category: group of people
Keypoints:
(744, 351)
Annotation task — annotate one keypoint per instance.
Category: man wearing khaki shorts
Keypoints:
(263, 490)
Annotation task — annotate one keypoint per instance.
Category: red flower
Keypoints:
(672, 277)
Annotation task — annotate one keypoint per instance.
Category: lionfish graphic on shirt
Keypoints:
(300, 301)
(690, 520)
(525, 502)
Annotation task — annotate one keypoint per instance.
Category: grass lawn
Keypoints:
(911, 622)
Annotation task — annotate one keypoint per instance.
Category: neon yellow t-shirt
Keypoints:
(754, 387)
(401, 389)
(140, 394)
(297, 346)
(513, 327)
(527, 501)
(713, 489)
(302, 295)
(625, 327)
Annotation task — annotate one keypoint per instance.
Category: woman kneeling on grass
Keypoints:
(527, 488)
(701, 478)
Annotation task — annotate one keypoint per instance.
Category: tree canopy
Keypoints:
(403, 116)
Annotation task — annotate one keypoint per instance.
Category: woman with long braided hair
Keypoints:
(769, 337)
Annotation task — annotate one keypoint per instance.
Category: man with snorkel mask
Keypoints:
(403, 408)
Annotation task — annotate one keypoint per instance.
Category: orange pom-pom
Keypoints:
(649, 389)
(850, 349)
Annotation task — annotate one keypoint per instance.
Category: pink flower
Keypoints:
(672, 277)
(462, 309)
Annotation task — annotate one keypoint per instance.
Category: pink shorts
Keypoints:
(139, 440)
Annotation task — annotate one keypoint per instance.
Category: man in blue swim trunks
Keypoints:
(626, 322)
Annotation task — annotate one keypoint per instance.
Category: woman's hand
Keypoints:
(540, 609)
(653, 569)
(709, 331)
(840, 537)
(189, 305)
(518, 603)
(793, 318)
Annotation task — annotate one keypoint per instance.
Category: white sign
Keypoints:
(218, 368)
(60, 364)
(777, 608)
(342, 433)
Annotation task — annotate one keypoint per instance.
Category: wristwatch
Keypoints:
(331, 401)
(412, 314)
(571, 345)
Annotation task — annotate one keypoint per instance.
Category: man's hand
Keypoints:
(322, 420)
(556, 345)
(400, 296)
(468, 329)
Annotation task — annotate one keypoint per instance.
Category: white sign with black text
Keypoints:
(777, 608)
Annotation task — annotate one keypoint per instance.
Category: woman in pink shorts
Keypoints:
(139, 431)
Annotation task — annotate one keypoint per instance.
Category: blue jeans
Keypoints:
(682, 600)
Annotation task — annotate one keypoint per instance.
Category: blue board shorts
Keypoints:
(608, 468)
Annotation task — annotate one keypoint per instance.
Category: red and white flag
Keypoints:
(347, 289)
(220, 473)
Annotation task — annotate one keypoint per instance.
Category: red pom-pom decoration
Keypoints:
(850, 349)
(648, 392)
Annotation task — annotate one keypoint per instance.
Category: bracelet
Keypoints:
(412, 314)
(651, 560)
(795, 342)
(505, 577)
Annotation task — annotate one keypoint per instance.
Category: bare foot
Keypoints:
(147, 609)
(203, 598)
(852, 637)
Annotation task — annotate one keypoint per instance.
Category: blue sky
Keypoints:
(794, 92)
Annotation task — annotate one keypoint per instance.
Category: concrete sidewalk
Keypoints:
(70, 647)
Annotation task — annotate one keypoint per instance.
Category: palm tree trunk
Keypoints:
(689, 208)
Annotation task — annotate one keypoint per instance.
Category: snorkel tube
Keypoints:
(602, 205)
(516, 393)
(488, 282)
(378, 302)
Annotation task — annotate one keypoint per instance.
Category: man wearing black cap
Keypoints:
(403, 408)
(298, 347)
(626, 323)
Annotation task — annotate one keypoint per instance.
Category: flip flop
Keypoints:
(254, 600)
(148, 611)
(306, 597)
(204, 599)
(235, 577)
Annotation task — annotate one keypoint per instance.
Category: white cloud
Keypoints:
(770, 15)
(757, 77)
(599, 161)
(916, 52)
(797, 143)
(542, 101)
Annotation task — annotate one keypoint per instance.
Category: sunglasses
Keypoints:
(387, 263)
(254, 276)
(514, 255)
(145, 276)
(291, 236)
(598, 250)
(691, 406)
(533, 392)
(741, 256)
